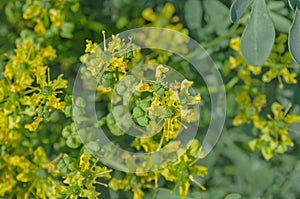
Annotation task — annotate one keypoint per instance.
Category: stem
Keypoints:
(221, 38)
(197, 183)
(104, 172)
(117, 74)
(31, 91)
(116, 164)
(104, 42)
(214, 42)
(31, 187)
(48, 70)
(288, 109)
(280, 82)
(232, 83)
(161, 141)
(101, 183)
(198, 158)
(173, 190)
(156, 181)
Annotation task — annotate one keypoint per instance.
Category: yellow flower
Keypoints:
(118, 63)
(137, 193)
(149, 14)
(3, 120)
(48, 52)
(55, 17)
(3, 90)
(59, 83)
(235, 44)
(102, 90)
(143, 87)
(256, 70)
(8, 184)
(160, 71)
(32, 11)
(55, 103)
(234, 62)
(35, 124)
(40, 28)
(89, 46)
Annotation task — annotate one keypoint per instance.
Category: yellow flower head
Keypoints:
(235, 44)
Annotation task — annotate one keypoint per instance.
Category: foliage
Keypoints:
(259, 35)
(42, 151)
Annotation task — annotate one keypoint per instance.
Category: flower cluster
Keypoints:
(251, 96)
(49, 18)
(81, 177)
(159, 110)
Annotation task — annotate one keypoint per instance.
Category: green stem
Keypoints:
(197, 183)
(161, 142)
(217, 40)
(232, 83)
(211, 44)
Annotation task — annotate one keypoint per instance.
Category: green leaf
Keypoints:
(259, 35)
(294, 37)
(121, 89)
(66, 30)
(193, 13)
(233, 196)
(121, 117)
(162, 193)
(93, 146)
(238, 8)
(80, 102)
(143, 121)
(276, 5)
(73, 142)
(138, 112)
(281, 23)
(111, 124)
(212, 7)
(279, 7)
(293, 3)
(165, 193)
(66, 132)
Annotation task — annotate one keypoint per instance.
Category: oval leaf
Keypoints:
(294, 37)
(238, 8)
(163, 193)
(216, 12)
(293, 3)
(233, 196)
(193, 13)
(276, 5)
(259, 35)
(281, 23)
